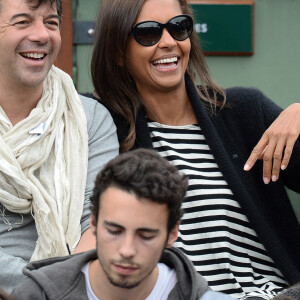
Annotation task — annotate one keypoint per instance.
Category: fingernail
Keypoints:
(246, 167)
(283, 167)
(266, 180)
(274, 178)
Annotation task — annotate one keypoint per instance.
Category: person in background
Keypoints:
(52, 143)
(136, 210)
(239, 228)
(292, 293)
(4, 295)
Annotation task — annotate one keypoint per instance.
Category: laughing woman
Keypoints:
(239, 228)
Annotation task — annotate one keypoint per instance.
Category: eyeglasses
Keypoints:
(148, 33)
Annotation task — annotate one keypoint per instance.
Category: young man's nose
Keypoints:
(128, 248)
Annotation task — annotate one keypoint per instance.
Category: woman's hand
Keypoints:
(276, 144)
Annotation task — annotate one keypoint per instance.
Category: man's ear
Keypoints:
(173, 235)
(93, 224)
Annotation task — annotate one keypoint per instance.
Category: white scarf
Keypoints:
(43, 165)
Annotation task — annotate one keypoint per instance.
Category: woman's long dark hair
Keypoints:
(113, 84)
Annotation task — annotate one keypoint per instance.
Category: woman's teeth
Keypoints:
(166, 60)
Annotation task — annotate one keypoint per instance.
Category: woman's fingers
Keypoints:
(275, 154)
(257, 153)
(268, 160)
(277, 159)
(288, 151)
(276, 144)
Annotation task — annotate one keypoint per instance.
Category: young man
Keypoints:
(51, 142)
(136, 208)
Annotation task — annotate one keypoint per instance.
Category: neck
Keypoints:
(103, 289)
(169, 108)
(18, 103)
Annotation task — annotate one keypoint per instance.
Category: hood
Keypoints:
(190, 285)
(56, 276)
(61, 278)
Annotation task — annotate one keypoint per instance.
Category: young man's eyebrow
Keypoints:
(143, 229)
(148, 230)
(108, 223)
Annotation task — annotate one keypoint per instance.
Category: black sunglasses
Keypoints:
(148, 33)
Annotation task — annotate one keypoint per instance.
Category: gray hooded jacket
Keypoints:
(61, 278)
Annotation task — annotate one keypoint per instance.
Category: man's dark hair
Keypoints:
(34, 4)
(146, 174)
(54, 3)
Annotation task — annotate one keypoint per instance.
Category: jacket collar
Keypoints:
(58, 277)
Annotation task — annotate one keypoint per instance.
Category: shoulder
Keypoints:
(242, 95)
(27, 289)
(248, 103)
(249, 97)
(96, 114)
(93, 108)
(240, 99)
(176, 259)
(52, 276)
(189, 282)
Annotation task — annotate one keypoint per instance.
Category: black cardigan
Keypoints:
(231, 135)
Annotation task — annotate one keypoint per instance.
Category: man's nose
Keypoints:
(40, 33)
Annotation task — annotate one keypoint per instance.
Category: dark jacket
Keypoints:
(61, 278)
(231, 135)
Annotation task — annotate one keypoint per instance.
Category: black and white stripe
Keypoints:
(215, 233)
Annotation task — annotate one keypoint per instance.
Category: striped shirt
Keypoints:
(214, 232)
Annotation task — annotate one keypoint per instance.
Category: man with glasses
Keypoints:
(51, 142)
(136, 210)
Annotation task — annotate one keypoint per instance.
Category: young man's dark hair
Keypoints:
(147, 175)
